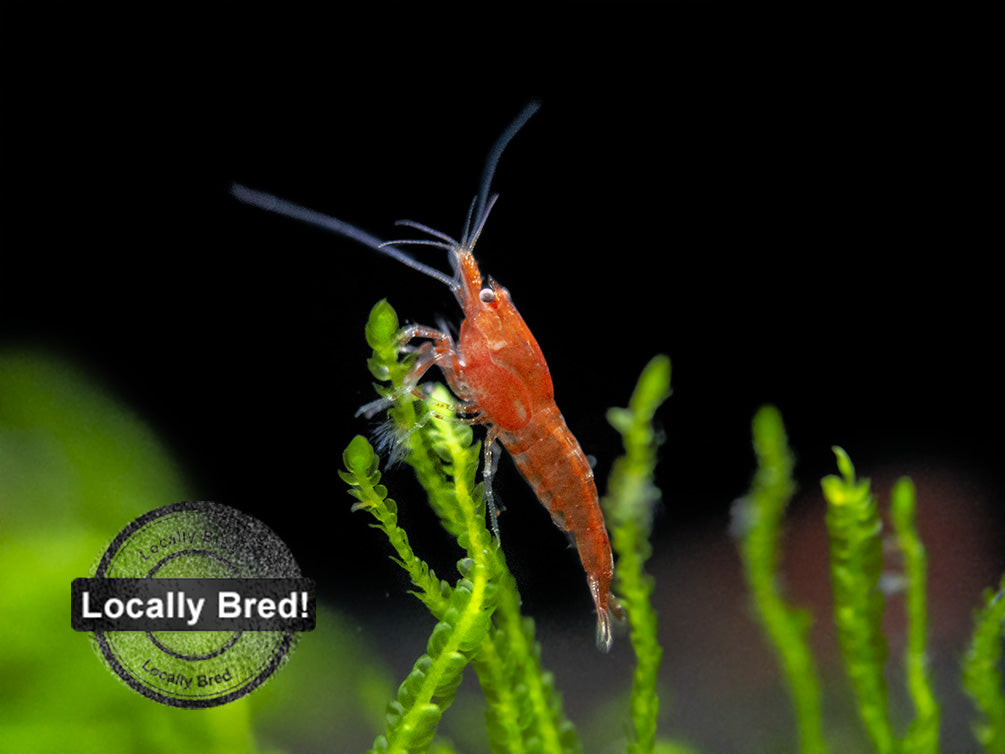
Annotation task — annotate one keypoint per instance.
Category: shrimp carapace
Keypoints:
(496, 368)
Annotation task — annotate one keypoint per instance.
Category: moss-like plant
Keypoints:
(923, 733)
(477, 612)
(523, 710)
(476, 619)
(982, 676)
(856, 546)
(479, 618)
(856, 564)
(757, 522)
(628, 508)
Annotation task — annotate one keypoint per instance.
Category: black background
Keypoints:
(796, 210)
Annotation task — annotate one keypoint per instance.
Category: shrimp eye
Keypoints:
(487, 295)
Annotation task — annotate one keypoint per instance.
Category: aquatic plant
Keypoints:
(982, 677)
(478, 616)
(856, 547)
(628, 509)
(77, 463)
(757, 522)
(64, 440)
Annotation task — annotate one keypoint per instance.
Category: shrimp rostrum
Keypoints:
(496, 368)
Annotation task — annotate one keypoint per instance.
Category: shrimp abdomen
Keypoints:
(550, 458)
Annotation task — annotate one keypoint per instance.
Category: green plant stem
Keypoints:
(546, 727)
(628, 508)
(363, 479)
(434, 593)
(508, 665)
(524, 712)
(982, 676)
(854, 527)
(923, 734)
(464, 611)
(757, 520)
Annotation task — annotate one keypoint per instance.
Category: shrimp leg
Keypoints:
(438, 349)
(490, 462)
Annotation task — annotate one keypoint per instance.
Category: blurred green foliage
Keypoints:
(76, 466)
(859, 553)
(982, 675)
(628, 509)
(757, 523)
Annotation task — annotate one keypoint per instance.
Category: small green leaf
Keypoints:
(439, 638)
(619, 418)
(381, 326)
(844, 464)
(359, 456)
(902, 503)
(653, 387)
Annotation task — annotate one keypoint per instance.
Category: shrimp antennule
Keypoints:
(452, 242)
(470, 241)
(445, 242)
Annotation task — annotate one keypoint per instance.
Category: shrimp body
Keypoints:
(497, 369)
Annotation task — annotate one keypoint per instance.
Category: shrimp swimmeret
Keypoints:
(497, 369)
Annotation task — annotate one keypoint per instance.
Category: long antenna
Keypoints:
(272, 203)
(493, 159)
(481, 208)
